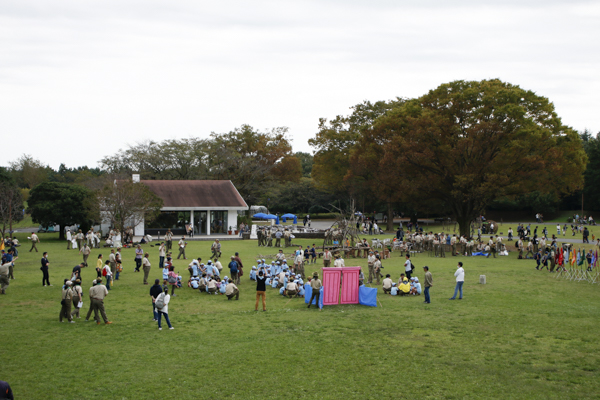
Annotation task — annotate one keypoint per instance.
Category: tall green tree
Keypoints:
(29, 172)
(591, 191)
(11, 201)
(464, 144)
(63, 204)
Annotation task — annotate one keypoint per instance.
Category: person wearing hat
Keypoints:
(428, 284)
(94, 282)
(415, 286)
(291, 288)
(253, 272)
(387, 284)
(370, 263)
(315, 284)
(97, 295)
(76, 297)
(67, 295)
(182, 244)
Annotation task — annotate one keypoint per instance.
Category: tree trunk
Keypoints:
(61, 232)
(464, 224)
(390, 219)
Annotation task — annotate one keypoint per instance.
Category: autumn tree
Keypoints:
(464, 144)
(126, 203)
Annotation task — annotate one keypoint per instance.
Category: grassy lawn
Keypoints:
(524, 334)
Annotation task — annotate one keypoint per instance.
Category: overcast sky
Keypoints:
(82, 79)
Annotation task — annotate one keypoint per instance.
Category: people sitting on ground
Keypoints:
(415, 286)
(253, 273)
(211, 286)
(232, 291)
(291, 289)
(387, 284)
(224, 283)
(394, 290)
(404, 287)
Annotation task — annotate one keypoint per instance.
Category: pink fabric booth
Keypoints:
(349, 287)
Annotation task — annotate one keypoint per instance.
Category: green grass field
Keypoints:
(524, 334)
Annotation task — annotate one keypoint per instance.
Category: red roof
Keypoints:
(196, 194)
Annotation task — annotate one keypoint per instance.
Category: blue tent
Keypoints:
(271, 216)
(285, 216)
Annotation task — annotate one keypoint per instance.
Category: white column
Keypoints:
(207, 222)
(192, 220)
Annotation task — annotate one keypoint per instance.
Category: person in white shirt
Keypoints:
(408, 267)
(387, 284)
(163, 298)
(107, 273)
(460, 279)
(339, 261)
(70, 238)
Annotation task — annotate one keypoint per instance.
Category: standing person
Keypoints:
(233, 270)
(80, 239)
(371, 264)
(182, 245)
(428, 284)
(99, 266)
(67, 295)
(44, 268)
(339, 261)
(315, 284)
(261, 290)
(169, 239)
(69, 240)
(216, 249)
(155, 290)
(118, 263)
(85, 251)
(139, 253)
(460, 280)
(377, 268)
(112, 261)
(146, 263)
(162, 252)
(97, 295)
(34, 241)
(327, 258)
(240, 267)
(76, 298)
(162, 306)
(107, 273)
(408, 267)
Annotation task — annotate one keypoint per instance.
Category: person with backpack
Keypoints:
(162, 307)
(155, 291)
(233, 269)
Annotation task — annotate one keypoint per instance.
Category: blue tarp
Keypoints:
(480, 253)
(285, 216)
(271, 216)
(260, 215)
(367, 296)
(308, 295)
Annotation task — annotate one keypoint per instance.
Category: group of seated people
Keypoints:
(404, 287)
(280, 276)
(207, 278)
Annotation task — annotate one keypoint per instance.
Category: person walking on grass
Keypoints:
(155, 290)
(261, 290)
(34, 241)
(460, 280)
(162, 307)
(97, 295)
(428, 284)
